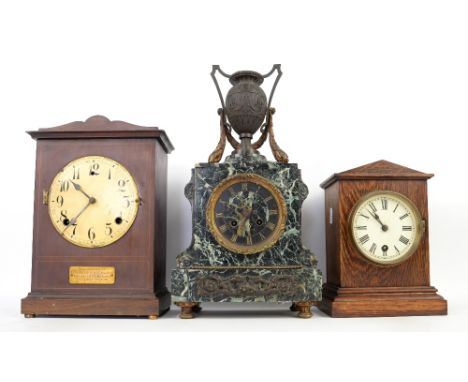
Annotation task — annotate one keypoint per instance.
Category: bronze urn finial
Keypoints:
(246, 110)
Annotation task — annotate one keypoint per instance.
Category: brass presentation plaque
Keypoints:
(91, 275)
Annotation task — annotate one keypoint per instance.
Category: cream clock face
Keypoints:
(93, 201)
(386, 227)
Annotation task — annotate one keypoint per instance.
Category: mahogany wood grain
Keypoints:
(97, 306)
(138, 257)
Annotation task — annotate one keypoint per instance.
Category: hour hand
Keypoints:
(78, 188)
(376, 217)
(244, 225)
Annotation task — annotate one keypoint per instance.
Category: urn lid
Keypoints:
(250, 74)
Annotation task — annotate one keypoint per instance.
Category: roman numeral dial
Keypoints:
(386, 227)
(93, 201)
(246, 214)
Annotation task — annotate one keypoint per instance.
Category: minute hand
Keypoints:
(73, 220)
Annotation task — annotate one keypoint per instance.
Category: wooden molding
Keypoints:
(39, 305)
(99, 126)
(382, 301)
(381, 169)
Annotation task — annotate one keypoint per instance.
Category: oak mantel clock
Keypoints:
(247, 244)
(377, 243)
(99, 236)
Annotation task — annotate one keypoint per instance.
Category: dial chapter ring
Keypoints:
(65, 175)
(419, 226)
(235, 247)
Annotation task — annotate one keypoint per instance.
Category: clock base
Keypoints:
(141, 306)
(246, 284)
(381, 301)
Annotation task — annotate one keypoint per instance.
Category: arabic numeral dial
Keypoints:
(93, 201)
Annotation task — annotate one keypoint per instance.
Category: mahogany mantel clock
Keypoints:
(377, 243)
(99, 220)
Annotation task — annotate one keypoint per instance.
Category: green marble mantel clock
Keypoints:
(246, 244)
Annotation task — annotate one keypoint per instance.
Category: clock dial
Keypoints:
(93, 201)
(246, 214)
(386, 227)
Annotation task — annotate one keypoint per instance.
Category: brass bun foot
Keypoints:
(304, 308)
(188, 309)
(29, 315)
(153, 317)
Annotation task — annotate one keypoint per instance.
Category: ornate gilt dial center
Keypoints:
(246, 214)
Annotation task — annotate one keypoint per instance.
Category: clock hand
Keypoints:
(241, 227)
(246, 212)
(73, 220)
(376, 217)
(78, 188)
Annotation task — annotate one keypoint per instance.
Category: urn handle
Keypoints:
(276, 67)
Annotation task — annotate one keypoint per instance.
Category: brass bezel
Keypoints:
(414, 210)
(244, 249)
(133, 216)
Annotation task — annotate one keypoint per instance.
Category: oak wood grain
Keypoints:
(357, 286)
(381, 302)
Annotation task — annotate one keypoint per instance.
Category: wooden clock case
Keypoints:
(357, 287)
(138, 257)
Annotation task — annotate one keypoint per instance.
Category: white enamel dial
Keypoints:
(386, 227)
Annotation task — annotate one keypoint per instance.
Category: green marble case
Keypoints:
(208, 272)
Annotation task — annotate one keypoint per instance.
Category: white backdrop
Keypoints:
(363, 80)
